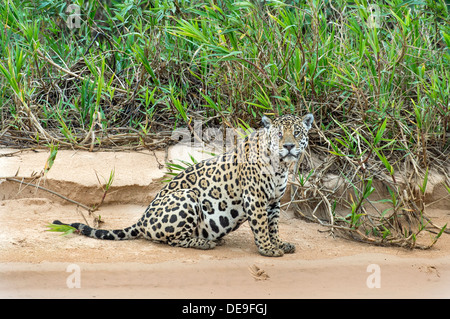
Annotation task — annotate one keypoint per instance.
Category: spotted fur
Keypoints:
(214, 197)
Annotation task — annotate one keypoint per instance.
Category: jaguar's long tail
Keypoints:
(117, 234)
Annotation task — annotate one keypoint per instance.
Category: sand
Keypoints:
(35, 263)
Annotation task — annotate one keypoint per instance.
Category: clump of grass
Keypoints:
(105, 187)
(175, 168)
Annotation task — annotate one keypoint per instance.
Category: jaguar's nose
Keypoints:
(289, 146)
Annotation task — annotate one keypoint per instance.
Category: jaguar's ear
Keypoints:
(266, 122)
(308, 120)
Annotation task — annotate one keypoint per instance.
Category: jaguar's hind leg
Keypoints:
(192, 242)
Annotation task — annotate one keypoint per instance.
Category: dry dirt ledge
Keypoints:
(34, 263)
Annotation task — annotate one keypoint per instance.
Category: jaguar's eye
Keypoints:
(280, 134)
(296, 133)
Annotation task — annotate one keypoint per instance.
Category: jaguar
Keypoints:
(212, 198)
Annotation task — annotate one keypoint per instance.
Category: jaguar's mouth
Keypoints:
(289, 157)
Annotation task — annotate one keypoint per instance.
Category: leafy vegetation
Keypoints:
(376, 75)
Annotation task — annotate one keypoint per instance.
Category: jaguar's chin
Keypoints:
(289, 157)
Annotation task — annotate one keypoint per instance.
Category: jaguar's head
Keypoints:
(288, 135)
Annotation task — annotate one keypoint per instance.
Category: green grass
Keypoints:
(235, 58)
(64, 229)
(135, 70)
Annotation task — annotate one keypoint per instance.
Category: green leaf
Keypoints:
(424, 183)
(51, 158)
(380, 132)
(64, 229)
(440, 232)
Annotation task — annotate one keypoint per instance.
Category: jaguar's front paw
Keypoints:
(288, 248)
(271, 252)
